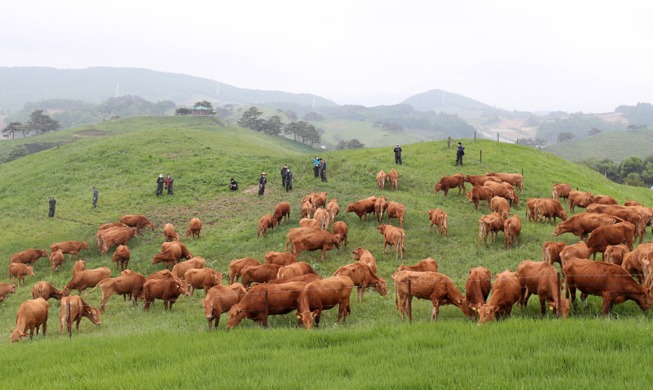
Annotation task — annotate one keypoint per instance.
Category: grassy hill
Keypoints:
(133, 348)
(616, 146)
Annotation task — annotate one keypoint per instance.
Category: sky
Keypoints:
(574, 56)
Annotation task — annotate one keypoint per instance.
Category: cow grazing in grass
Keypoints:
(322, 295)
(220, 299)
(479, 193)
(560, 191)
(46, 291)
(363, 277)
(20, 271)
(85, 279)
(71, 247)
(56, 260)
(309, 222)
(448, 182)
(334, 209)
(515, 179)
(281, 211)
(579, 199)
(490, 224)
(578, 249)
(167, 290)
(398, 211)
(136, 221)
(194, 228)
(433, 286)
(264, 223)
(427, 265)
(307, 209)
(638, 262)
(500, 205)
(365, 257)
(202, 278)
(28, 256)
(79, 265)
(341, 229)
(171, 253)
(6, 289)
(511, 231)
(259, 274)
(505, 293)
(479, 180)
(264, 300)
(128, 283)
(477, 287)
(279, 258)
(551, 251)
(72, 309)
(440, 219)
(362, 207)
(549, 210)
(614, 254)
(121, 257)
(393, 236)
(317, 240)
(540, 277)
(113, 237)
(619, 233)
(169, 232)
(236, 267)
(322, 217)
(32, 314)
(503, 190)
(582, 224)
(393, 178)
(179, 270)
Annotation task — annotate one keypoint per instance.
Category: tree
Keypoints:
(594, 131)
(355, 144)
(42, 123)
(12, 128)
(632, 164)
(291, 115)
(273, 125)
(182, 111)
(204, 108)
(565, 136)
(250, 119)
(633, 179)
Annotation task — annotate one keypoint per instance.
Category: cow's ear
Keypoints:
(552, 308)
(299, 316)
(315, 313)
(475, 308)
(495, 309)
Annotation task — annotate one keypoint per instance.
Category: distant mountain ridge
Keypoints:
(439, 100)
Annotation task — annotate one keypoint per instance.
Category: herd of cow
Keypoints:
(283, 284)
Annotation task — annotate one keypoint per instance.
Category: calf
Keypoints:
(28, 256)
(203, 278)
(127, 283)
(549, 209)
(56, 260)
(393, 236)
(580, 199)
(490, 224)
(440, 219)
(179, 270)
(477, 287)
(479, 193)
(540, 277)
(236, 267)
(259, 274)
(322, 217)
(397, 210)
(85, 279)
(80, 265)
(381, 178)
(448, 182)
(560, 191)
(511, 231)
(169, 232)
(505, 292)
(264, 223)
(341, 229)
(362, 207)
(32, 314)
(46, 291)
(220, 299)
(322, 295)
(363, 277)
(281, 210)
(614, 254)
(364, 256)
(264, 300)
(168, 290)
(72, 309)
(307, 209)
(20, 271)
(72, 247)
(433, 286)
(121, 257)
(393, 178)
(333, 208)
(194, 228)
(6, 289)
(500, 205)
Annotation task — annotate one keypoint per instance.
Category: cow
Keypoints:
(540, 277)
(280, 258)
(264, 223)
(560, 191)
(433, 286)
(20, 271)
(551, 251)
(580, 199)
(479, 193)
(629, 214)
(381, 178)
(220, 299)
(202, 278)
(505, 293)
(333, 208)
(281, 210)
(440, 219)
(363, 277)
(531, 209)
(578, 249)
(72, 247)
(362, 207)
(85, 279)
(514, 179)
(619, 233)
(321, 239)
(609, 281)
(179, 270)
(79, 265)
(121, 257)
(168, 290)
(32, 314)
(427, 265)
(503, 190)
(114, 237)
(28, 256)
(259, 274)
(295, 269)
(477, 287)
(604, 199)
(479, 180)
(322, 217)
(511, 231)
(264, 300)
(236, 267)
(136, 221)
(309, 222)
(393, 236)
(111, 225)
(396, 210)
(72, 309)
(500, 205)
(194, 228)
(631, 203)
(46, 291)
(127, 283)
(365, 257)
(56, 260)
(322, 295)
(549, 209)
(583, 223)
(614, 254)
(638, 262)
(169, 232)
(109, 230)
(171, 253)
(453, 181)
(318, 199)
(307, 209)
(341, 229)
(6, 289)
(380, 207)
(490, 223)
(393, 178)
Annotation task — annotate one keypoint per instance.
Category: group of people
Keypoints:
(161, 183)
(319, 168)
(460, 152)
(52, 202)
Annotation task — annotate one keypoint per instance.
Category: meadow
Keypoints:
(374, 348)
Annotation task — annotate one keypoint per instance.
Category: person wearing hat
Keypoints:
(398, 154)
(284, 171)
(95, 196)
(288, 180)
(159, 184)
(323, 169)
(169, 182)
(261, 184)
(52, 203)
(316, 166)
(460, 152)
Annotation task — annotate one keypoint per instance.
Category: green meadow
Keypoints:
(374, 348)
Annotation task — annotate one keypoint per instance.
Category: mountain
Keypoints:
(438, 100)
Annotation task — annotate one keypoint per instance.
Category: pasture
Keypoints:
(133, 348)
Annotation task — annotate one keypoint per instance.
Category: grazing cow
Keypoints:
(127, 283)
(296, 232)
(629, 214)
(433, 286)
(583, 223)
(479, 180)
(264, 223)
(427, 265)
(503, 190)
(280, 258)
(505, 292)
(448, 182)
(511, 231)
(179, 270)
(580, 199)
(264, 300)
(309, 222)
(168, 290)
(56, 260)
(531, 211)
(46, 291)
(295, 269)
(121, 257)
(322, 217)
(112, 225)
(514, 179)
(549, 209)
(259, 274)
(28, 256)
(440, 219)
(281, 210)
(318, 199)
(72, 247)
(171, 253)
(32, 314)
(614, 254)
(202, 278)
(307, 209)
(320, 239)
(113, 237)
(381, 178)
(619, 233)
(136, 221)
(365, 257)
(609, 281)
(322, 295)
(85, 279)
(20, 271)
(363, 277)
(333, 208)
(604, 199)
(578, 249)
(396, 210)
(479, 193)
(477, 287)
(194, 228)
(560, 191)
(393, 178)
(169, 232)
(490, 223)
(341, 229)
(236, 267)
(220, 299)
(393, 236)
(551, 251)
(540, 277)
(362, 207)
(380, 207)
(500, 205)
(6, 289)
(72, 309)
(638, 262)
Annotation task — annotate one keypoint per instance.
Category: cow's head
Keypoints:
(358, 252)
(306, 318)
(381, 287)
(382, 227)
(207, 304)
(565, 307)
(30, 270)
(92, 314)
(236, 314)
(438, 187)
(42, 253)
(487, 313)
(16, 335)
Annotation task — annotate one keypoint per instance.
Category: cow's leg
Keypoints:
(436, 310)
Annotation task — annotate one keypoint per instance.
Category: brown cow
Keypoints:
(341, 229)
(307, 209)
(171, 253)
(631, 203)
(396, 210)
(479, 180)
(179, 270)
(194, 228)
(500, 205)
(503, 190)
(531, 211)
(114, 237)
(363, 277)
(433, 286)
(259, 274)
(32, 314)
(580, 199)
(296, 232)
(381, 178)
(72, 247)
(549, 209)
(20, 271)
(540, 277)
(121, 257)
(265, 300)
(505, 292)
(169, 232)
(511, 231)
(551, 251)
(307, 278)
(614, 254)
(583, 223)
(514, 179)
(609, 281)
(322, 295)
(136, 221)
(365, 257)
(46, 291)
(578, 249)
(28, 256)
(604, 199)
(477, 287)
(427, 265)
(80, 265)
(6, 289)
(440, 219)
(280, 258)
(448, 182)
(264, 223)
(629, 214)
(380, 207)
(56, 260)
(393, 178)
(619, 233)
(220, 299)
(281, 210)
(479, 193)
(333, 208)
(309, 222)
(638, 262)
(393, 236)
(322, 217)
(362, 207)
(295, 269)
(490, 223)
(202, 278)
(72, 309)
(85, 279)
(321, 239)
(168, 290)
(127, 283)
(560, 191)
(318, 199)
(236, 267)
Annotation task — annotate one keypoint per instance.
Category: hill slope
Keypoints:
(615, 146)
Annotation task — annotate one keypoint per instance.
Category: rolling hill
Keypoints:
(615, 146)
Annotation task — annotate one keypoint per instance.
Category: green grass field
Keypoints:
(135, 349)
(614, 145)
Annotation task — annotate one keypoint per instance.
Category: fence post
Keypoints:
(497, 137)
(69, 323)
(559, 294)
(480, 158)
(409, 301)
(449, 143)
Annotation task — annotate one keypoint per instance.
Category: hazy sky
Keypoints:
(588, 56)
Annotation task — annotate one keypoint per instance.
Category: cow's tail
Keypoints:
(481, 230)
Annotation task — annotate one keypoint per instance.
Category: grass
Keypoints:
(614, 145)
(133, 348)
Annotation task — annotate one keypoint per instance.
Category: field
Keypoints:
(136, 349)
(614, 145)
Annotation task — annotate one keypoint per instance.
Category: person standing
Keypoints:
(323, 168)
(284, 172)
(398, 154)
(261, 184)
(460, 152)
(233, 185)
(159, 184)
(316, 166)
(53, 204)
(288, 180)
(169, 182)
(95, 196)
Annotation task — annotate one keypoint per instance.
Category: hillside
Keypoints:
(132, 347)
(615, 146)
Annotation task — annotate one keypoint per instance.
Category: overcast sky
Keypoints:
(589, 56)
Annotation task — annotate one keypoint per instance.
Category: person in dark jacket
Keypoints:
(460, 152)
(288, 180)
(261, 184)
(323, 168)
(398, 154)
(52, 204)
(284, 171)
(316, 166)
(233, 185)
(159, 184)
(169, 182)
(95, 196)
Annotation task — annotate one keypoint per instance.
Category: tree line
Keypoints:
(38, 123)
(633, 171)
